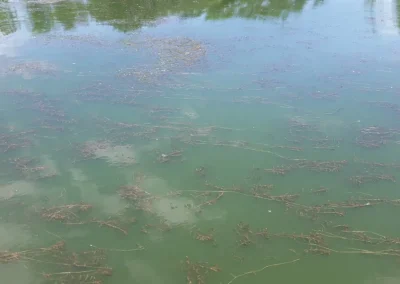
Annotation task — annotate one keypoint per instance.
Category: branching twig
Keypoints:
(259, 270)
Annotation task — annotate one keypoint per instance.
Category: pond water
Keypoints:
(248, 141)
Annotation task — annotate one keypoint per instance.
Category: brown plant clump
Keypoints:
(65, 213)
(197, 272)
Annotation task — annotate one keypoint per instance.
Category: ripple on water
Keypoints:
(30, 69)
(174, 209)
(17, 273)
(142, 272)
(50, 166)
(108, 204)
(78, 175)
(17, 188)
(119, 155)
(190, 113)
(13, 235)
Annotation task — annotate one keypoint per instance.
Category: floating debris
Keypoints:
(118, 155)
(172, 55)
(31, 69)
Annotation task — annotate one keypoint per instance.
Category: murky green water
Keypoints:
(199, 141)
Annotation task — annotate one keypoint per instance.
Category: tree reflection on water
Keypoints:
(129, 15)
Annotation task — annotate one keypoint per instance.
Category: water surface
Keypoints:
(199, 141)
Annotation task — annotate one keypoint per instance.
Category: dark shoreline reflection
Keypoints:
(8, 19)
(43, 16)
(382, 14)
(129, 15)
